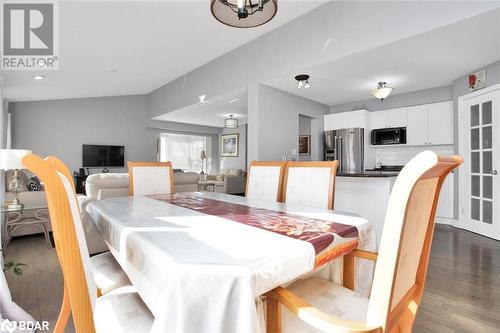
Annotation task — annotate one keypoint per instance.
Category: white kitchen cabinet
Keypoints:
(416, 131)
(355, 119)
(350, 119)
(441, 123)
(333, 121)
(430, 124)
(397, 117)
(389, 118)
(378, 119)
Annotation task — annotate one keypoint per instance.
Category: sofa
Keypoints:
(230, 181)
(108, 185)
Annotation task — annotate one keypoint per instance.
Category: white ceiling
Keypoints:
(110, 48)
(428, 60)
(212, 112)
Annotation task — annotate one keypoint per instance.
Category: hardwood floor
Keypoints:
(462, 293)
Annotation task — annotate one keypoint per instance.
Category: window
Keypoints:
(183, 151)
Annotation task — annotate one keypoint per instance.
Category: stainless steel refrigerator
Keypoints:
(347, 146)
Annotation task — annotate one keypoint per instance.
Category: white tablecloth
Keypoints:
(203, 273)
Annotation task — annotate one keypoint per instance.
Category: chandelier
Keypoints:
(382, 91)
(231, 122)
(244, 13)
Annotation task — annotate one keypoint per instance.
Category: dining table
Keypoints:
(202, 261)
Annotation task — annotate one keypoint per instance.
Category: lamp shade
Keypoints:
(12, 158)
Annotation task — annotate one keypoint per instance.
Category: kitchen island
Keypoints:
(365, 194)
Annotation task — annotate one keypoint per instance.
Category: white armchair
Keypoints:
(97, 187)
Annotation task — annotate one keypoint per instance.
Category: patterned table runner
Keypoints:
(321, 234)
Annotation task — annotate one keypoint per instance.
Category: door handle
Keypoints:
(494, 172)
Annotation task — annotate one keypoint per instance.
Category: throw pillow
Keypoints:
(219, 177)
(34, 184)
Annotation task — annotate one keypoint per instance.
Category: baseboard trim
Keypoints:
(447, 221)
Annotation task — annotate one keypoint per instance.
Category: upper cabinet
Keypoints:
(441, 123)
(389, 118)
(430, 124)
(349, 119)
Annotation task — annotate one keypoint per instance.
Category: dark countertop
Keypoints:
(371, 174)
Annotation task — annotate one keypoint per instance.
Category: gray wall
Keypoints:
(60, 127)
(273, 127)
(239, 162)
(433, 95)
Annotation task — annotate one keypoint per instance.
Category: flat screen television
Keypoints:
(103, 156)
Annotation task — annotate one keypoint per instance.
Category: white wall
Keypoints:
(273, 124)
(239, 162)
(60, 128)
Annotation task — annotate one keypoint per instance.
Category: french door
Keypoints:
(481, 151)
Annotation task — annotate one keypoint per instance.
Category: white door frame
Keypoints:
(461, 145)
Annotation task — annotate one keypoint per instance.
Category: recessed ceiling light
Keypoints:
(233, 101)
(38, 77)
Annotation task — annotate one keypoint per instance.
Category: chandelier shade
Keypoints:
(244, 13)
(383, 90)
(231, 122)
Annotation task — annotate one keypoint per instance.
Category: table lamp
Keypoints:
(202, 157)
(11, 159)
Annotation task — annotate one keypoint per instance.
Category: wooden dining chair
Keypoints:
(310, 184)
(265, 180)
(108, 275)
(316, 305)
(120, 310)
(150, 178)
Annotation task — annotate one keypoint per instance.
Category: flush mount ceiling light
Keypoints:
(303, 81)
(231, 122)
(38, 77)
(383, 90)
(244, 13)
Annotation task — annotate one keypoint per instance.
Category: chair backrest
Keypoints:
(69, 240)
(310, 184)
(150, 178)
(265, 180)
(406, 241)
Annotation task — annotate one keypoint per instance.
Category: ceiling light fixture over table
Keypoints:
(244, 13)
(303, 81)
(383, 90)
(231, 122)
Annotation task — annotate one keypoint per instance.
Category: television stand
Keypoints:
(80, 183)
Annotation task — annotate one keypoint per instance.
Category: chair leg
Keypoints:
(273, 316)
(348, 274)
(62, 320)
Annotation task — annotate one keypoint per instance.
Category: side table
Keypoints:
(14, 220)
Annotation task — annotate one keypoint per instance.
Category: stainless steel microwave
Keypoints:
(388, 136)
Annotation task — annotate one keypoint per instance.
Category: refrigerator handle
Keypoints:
(340, 167)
